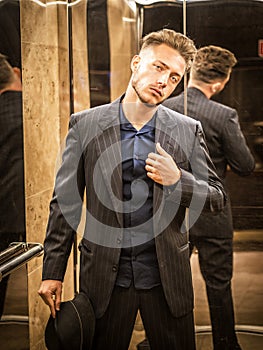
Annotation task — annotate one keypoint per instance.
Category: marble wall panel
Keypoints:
(38, 311)
(81, 82)
(33, 30)
(45, 64)
(37, 212)
(45, 146)
(122, 35)
(79, 26)
(80, 56)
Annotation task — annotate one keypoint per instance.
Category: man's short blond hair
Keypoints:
(175, 40)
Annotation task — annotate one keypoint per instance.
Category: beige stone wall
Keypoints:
(46, 105)
(80, 56)
(122, 35)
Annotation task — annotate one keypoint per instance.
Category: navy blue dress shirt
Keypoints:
(138, 262)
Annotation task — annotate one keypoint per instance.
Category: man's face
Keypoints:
(157, 70)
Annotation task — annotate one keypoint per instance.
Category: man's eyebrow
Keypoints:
(166, 66)
(162, 63)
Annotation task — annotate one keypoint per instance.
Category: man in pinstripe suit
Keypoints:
(213, 235)
(142, 165)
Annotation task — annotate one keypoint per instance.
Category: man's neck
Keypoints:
(204, 87)
(15, 86)
(137, 112)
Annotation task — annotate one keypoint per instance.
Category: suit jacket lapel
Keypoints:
(108, 145)
(165, 135)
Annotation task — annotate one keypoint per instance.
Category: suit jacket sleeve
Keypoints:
(236, 150)
(65, 208)
(199, 187)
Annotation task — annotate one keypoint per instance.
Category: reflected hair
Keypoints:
(6, 72)
(177, 41)
(212, 63)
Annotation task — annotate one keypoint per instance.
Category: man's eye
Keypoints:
(158, 67)
(175, 79)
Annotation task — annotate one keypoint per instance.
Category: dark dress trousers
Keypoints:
(213, 234)
(92, 162)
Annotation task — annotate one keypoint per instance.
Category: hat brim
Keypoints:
(74, 325)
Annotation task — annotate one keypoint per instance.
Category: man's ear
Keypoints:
(216, 87)
(17, 72)
(135, 62)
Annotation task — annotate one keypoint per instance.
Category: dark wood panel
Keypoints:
(246, 199)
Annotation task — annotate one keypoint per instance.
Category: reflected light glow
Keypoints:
(151, 2)
(128, 19)
(58, 2)
(131, 4)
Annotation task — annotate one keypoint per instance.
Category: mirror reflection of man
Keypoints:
(12, 210)
(213, 235)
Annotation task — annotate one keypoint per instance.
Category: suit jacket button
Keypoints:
(114, 268)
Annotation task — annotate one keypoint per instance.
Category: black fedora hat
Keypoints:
(74, 325)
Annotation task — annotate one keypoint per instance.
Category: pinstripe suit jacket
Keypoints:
(92, 162)
(227, 146)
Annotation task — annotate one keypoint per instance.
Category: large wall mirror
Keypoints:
(235, 25)
(103, 37)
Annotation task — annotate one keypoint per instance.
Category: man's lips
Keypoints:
(158, 91)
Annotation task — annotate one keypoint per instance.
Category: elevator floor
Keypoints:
(247, 291)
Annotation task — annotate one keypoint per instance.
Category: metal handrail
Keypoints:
(146, 3)
(199, 330)
(17, 255)
(245, 328)
(13, 250)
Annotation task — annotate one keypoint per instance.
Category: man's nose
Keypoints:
(163, 80)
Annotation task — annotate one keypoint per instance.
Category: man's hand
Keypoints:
(50, 291)
(161, 167)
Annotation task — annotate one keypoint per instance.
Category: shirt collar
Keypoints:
(125, 124)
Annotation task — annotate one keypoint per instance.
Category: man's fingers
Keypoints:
(50, 292)
(52, 308)
(150, 169)
(57, 301)
(152, 157)
(161, 151)
(161, 167)
(50, 300)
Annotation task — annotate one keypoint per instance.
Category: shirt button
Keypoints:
(114, 268)
(136, 157)
(119, 241)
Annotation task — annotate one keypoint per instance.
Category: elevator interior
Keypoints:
(234, 24)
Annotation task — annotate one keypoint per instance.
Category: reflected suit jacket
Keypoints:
(12, 195)
(227, 147)
(92, 164)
